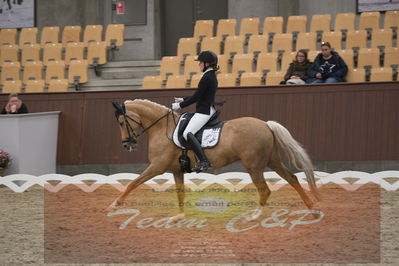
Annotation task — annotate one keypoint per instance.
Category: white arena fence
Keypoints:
(349, 180)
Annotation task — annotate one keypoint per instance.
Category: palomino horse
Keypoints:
(252, 141)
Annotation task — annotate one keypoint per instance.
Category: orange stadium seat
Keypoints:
(152, 82)
(381, 74)
(191, 66)
(203, 28)
(391, 56)
(176, 81)
(282, 42)
(30, 52)
(187, 46)
(212, 43)
(170, 65)
(391, 19)
(115, 35)
(78, 72)
(195, 79)
(356, 38)
(223, 61)
(49, 35)
(296, 24)
(306, 40)
(234, 45)
(226, 27)
(27, 36)
(381, 38)
(227, 79)
(334, 38)
(273, 25)
(369, 20)
(258, 44)
(348, 56)
(10, 71)
(55, 70)
(9, 53)
(267, 61)
(71, 34)
(274, 78)
(368, 57)
(251, 79)
(58, 85)
(51, 52)
(32, 70)
(356, 75)
(320, 22)
(312, 55)
(92, 33)
(34, 86)
(12, 86)
(242, 63)
(8, 36)
(249, 26)
(344, 21)
(286, 60)
(74, 51)
(97, 53)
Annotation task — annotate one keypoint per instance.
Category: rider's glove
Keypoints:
(178, 100)
(176, 106)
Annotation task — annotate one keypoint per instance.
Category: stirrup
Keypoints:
(201, 166)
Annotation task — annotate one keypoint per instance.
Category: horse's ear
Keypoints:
(119, 109)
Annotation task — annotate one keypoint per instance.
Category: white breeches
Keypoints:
(197, 122)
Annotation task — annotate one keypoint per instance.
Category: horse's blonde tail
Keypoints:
(296, 154)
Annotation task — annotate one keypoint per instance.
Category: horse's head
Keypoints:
(129, 124)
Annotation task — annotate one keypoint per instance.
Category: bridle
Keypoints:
(133, 136)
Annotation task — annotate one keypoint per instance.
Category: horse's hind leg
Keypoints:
(260, 183)
(276, 165)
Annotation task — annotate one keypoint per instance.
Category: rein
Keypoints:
(132, 136)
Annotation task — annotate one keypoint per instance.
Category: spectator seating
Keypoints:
(71, 34)
(212, 43)
(152, 82)
(34, 85)
(77, 73)
(170, 65)
(115, 35)
(227, 79)
(251, 79)
(258, 44)
(344, 22)
(55, 70)
(356, 39)
(369, 20)
(334, 38)
(92, 33)
(58, 85)
(203, 28)
(10, 71)
(49, 35)
(356, 75)
(249, 26)
(282, 42)
(296, 24)
(187, 46)
(274, 78)
(12, 86)
(381, 74)
(306, 40)
(191, 66)
(272, 25)
(52, 51)
(176, 81)
(30, 52)
(234, 45)
(348, 56)
(267, 62)
(226, 27)
(223, 61)
(8, 36)
(242, 63)
(320, 23)
(32, 70)
(74, 51)
(391, 57)
(382, 38)
(195, 80)
(27, 36)
(9, 52)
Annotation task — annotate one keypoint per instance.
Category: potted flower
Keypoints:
(5, 161)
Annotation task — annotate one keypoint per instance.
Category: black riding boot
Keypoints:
(203, 163)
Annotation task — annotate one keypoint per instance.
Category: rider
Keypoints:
(204, 96)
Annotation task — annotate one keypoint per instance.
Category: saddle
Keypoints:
(208, 135)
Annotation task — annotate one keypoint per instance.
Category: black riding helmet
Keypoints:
(208, 57)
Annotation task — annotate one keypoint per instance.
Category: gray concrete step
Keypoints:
(129, 73)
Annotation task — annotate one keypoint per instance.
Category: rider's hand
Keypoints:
(178, 100)
(176, 106)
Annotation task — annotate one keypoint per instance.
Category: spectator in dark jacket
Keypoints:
(14, 106)
(297, 72)
(328, 66)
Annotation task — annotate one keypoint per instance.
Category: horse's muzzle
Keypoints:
(129, 144)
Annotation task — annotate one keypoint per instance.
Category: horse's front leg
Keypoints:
(179, 180)
(148, 173)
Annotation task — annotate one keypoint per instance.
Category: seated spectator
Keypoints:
(297, 72)
(328, 66)
(14, 106)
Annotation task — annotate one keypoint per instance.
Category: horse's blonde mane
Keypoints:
(145, 101)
